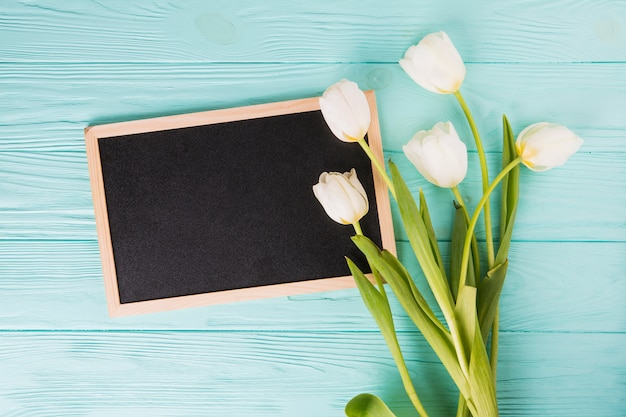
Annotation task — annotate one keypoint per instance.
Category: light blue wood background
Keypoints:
(65, 65)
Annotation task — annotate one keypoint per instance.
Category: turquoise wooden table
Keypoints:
(65, 65)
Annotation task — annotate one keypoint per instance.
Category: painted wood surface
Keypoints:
(66, 65)
(286, 31)
(286, 373)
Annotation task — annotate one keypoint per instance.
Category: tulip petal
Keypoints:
(450, 70)
(435, 64)
(342, 196)
(354, 181)
(439, 155)
(346, 110)
(358, 204)
(322, 194)
(543, 146)
(339, 200)
(332, 114)
(414, 152)
(359, 109)
(435, 161)
(416, 64)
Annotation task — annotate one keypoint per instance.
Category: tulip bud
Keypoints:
(342, 196)
(346, 111)
(543, 146)
(435, 64)
(439, 155)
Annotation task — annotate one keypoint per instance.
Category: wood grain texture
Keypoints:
(551, 287)
(284, 31)
(66, 65)
(288, 373)
(588, 98)
(47, 196)
(550, 208)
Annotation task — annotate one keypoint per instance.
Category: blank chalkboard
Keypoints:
(217, 206)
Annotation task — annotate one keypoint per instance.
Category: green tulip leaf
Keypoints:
(459, 231)
(367, 405)
(481, 380)
(420, 243)
(510, 192)
(466, 318)
(397, 277)
(415, 306)
(434, 245)
(488, 297)
(377, 304)
(404, 275)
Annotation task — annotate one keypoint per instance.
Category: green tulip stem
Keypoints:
(359, 232)
(401, 365)
(472, 224)
(377, 165)
(475, 254)
(484, 175)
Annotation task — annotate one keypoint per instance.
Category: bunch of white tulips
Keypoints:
(467, 293)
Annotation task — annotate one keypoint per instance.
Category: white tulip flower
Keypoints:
(343, 197)
(435, 64)
(439, 155)
(543, 146)
(346, 111)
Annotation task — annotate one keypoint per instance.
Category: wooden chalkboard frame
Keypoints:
(94, 133)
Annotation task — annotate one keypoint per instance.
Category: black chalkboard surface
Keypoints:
(218, 206)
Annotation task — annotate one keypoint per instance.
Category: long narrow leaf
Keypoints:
(403, 274)
(459, 231)
(482, 384)
(510, 192)
(378, 306)
(420, 242)
(507, 154)
(367, 405)
(434, 245)
(466, 318)
(398, 278)
(434, 333)
(488, 297)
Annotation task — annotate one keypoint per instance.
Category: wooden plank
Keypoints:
(586, 98)
(47, 195)
(64, 136)
(290, 373)
(551, 205)
(65, 65)
(281, 31)
(551, 287)
(603, 131)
